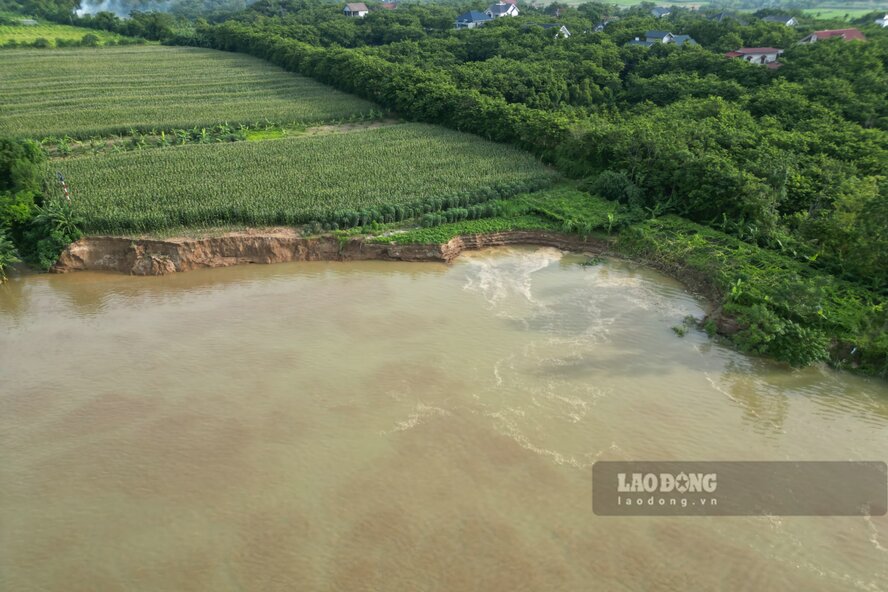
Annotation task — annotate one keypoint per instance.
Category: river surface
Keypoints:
(399, 426)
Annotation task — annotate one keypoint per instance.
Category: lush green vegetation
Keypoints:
(49, 34)
(578, 211)
(144, 22)
(65, 146)
(782, 308)
(383, 174)
(87, 92)
(445, 232)
(561, 208)
(141, 11)
(778, 175)
(31, 224)
(835, 12)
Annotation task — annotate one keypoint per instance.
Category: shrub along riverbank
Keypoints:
(32, 226)
(779, 307)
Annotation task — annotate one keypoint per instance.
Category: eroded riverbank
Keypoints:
(151, 256)
(282, 245)
(145, 256)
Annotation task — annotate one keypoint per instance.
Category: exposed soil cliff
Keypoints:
(279, 245)
(159, 257)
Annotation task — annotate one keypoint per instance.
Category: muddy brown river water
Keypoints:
(399, 426)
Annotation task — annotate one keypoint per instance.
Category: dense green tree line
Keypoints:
(420, 94)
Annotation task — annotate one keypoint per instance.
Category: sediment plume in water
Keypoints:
(364, 425)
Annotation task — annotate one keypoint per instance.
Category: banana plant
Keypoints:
(60, 216)
(8, 255)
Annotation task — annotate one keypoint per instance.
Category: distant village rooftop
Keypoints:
(766, 56)
(651, 38)
(783, 20)
(846, 34)
(753, 51)
(560, 30)
(501, 9)
(355, 9)
(471, 19)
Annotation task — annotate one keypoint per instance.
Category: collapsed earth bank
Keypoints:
(160, 257)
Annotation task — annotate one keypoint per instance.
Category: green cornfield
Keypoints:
(88, 92)
(381, 174)
(50, 32)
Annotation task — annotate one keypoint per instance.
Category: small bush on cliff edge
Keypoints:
(55, 226)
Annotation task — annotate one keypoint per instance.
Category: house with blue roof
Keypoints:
(654, 37)
(472, 19)
(682, 40)
(501, 9)
(640, 42)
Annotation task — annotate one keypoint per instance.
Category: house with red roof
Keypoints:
(846, 34)
(756, 55)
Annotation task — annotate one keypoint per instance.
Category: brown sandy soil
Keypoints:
(148, 256)
(216, 248)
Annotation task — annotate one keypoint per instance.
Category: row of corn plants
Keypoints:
(134, 139)
(87, 92)
(335, 181)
